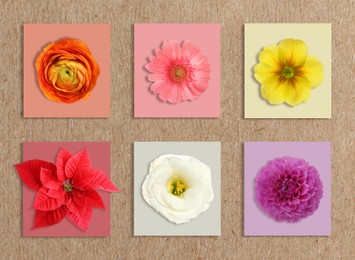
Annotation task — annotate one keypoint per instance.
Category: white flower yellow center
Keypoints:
(177, 186)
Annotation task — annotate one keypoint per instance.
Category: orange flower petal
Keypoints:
(66, 71)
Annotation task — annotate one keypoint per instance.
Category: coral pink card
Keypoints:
(66, 78)
(176, 70)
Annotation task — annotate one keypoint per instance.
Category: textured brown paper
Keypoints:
(121, 129)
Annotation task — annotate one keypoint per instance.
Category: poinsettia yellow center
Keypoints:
(288, 72)
(67, 186)
(177, 186)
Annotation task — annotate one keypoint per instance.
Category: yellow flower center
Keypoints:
(68, 185)
(288, 72)
(67, 75)
(178, 73)
(177, 186)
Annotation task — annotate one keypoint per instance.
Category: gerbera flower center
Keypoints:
(178, 73)
(177, 186)
(288, 72)
(68, 185)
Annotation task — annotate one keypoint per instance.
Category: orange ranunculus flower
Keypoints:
(67, 71)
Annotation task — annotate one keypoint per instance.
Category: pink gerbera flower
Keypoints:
(179, 72)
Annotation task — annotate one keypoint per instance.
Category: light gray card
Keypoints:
(147, 221)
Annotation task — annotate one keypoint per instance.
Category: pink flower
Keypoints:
(288, 189)
(179, 72)
(65, 189)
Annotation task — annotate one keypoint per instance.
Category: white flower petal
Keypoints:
(193, 175)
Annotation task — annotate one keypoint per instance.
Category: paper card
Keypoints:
(99, 224)
(264, 212)
(67, 72)
(147, 220)
(186, 84)
(294, 82)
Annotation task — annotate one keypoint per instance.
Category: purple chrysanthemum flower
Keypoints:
(288, 189)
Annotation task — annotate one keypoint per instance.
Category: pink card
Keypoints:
(176, 70)
(99, 224)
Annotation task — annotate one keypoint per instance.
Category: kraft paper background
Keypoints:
(231, 129)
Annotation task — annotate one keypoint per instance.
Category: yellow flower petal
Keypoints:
(295, 52)
(273, 92)
(312, 70)
(296, 90)
(264, 73)
(271, 56)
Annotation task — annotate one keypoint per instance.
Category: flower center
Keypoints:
(66, 74)
(288, 72)
(68, 185)
(177, 186)
(178, 73)
(288, 187)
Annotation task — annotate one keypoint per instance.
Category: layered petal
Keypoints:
(158, 86)
(81, 221)
(295, 51)
(44, 202)
(49, 179)
(95, 179)
(29, 172)
(172, 49)
(312, 71)
(81, 160)
(297, 91)
(88, 198)
(274, 92)
(61, 160)
(49, 218)
(272, 56)
(265, 73)
(156, 66)
(56, 194)
(74, 208)
(189, 50)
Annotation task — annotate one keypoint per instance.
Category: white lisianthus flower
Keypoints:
(179, 187)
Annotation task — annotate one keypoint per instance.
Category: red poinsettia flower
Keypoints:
(65, 189)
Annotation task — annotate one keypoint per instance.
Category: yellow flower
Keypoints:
(287, 73)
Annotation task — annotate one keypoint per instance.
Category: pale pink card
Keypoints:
(148, 37)
(38, 36)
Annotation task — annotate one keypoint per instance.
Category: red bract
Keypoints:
(65, 189)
